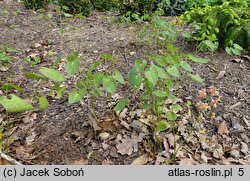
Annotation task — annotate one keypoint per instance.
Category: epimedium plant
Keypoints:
(156, 82)
(159, 32)
(6, 52)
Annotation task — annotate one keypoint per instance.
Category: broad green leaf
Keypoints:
(75, 96)
(35, 76)
(186, 66)
(52, 74)
(121, 104)
(161, 72)
(196, 78)
(57, 61)
(80, 84)
(67, 15)
(134, 79)
(118, 76)
(43, 102)
(9, 86)
(236, 51)
(97, 79)
(140, 66)
(162, 126)
(237, 46)
(162, 61)
(15, 104)
(106, 56)
(228, 50)
(198, 60)
(65, 8)
(109, 84)
(72, 57)
(211, 45)
(72, 67)
(173, 71)
(175, 108)
(152, 75)
(172, 48)
(159, 93)
(171, 116)
(187, 34)
(11, 50)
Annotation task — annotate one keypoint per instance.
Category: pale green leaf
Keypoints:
(162, 126)
(171, 116)
(52, 74)
(43, 102)
(134, 79)
(161, 94)
(109, 84)
(35, 76)
(15, 104)
(196, 78)
(75, 96)
(9, 86)
(197, 59)
(118, 76)
(72, 67)
(186, 66)
(152, 75)
(172, 70)
(121, 104)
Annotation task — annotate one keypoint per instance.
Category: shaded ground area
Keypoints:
(63, 134)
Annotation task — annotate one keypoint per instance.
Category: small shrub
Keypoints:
(137, 6)
(76, 6)
(172, 7)
(226, 23)
(35, 4)
(104, 5)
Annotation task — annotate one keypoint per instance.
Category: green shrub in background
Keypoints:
(194, 3)
(35, 4)
(76, 6)
(140, 7)
(173, 7)
(227, 23)
(104, 5)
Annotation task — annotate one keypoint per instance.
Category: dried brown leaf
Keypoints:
(204, 157)
(80, 162)
(142, 160)
(188, 161)
(221, 74)
(222, 128)
(129, 145)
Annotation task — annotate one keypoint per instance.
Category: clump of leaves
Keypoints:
(6, 57)
(76, 6)
(35, 4)
(159, 32)
(172, 7)
(104, 5)
(136, 7)
(224, 23)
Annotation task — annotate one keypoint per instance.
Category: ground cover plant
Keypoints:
(101, 90)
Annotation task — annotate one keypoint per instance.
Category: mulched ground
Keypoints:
(63, 134)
